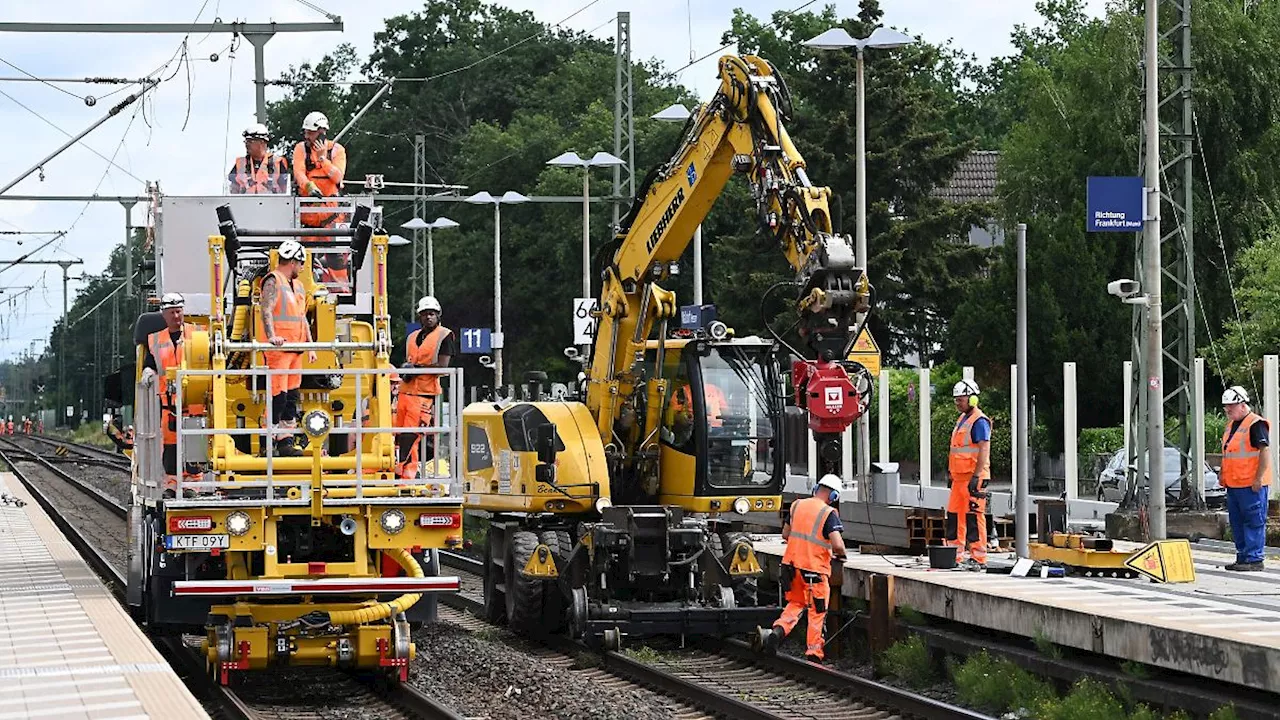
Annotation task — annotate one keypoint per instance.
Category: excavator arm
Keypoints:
(739, 130)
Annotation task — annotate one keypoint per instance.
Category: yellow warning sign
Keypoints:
(866, 353)
(1164, 561)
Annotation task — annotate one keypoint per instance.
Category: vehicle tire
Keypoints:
(554, 604)
(746, 591)
(495, 602)
(524, 595)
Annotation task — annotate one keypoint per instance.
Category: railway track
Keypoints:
(726, 678)
(85, 452)
(94, 523)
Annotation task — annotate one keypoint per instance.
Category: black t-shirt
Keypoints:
(1259, 433)
(446, 348)
(150, 362)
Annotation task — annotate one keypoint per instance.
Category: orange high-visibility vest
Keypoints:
(807, 548)
(713, 398)
(327, 171)
(963, 459)
(266, 177)
(424, 354)
(1239, 461)
(168, 355)
(289, 315)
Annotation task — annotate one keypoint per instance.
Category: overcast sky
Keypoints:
(188, 151)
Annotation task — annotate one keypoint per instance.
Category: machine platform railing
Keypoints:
(366, 471)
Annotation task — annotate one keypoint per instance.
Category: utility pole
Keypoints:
(256, 33)
(128, 247)
(1152, 279)
(62, 340)
(624, 124)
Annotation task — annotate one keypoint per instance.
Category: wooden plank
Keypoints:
(882, 628)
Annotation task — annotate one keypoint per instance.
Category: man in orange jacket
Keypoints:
(812, 533)
(319, 167)
(258, 171)
(284, 320)
(165, 350)
(1246, 474)
(431, 346)
(969, 463)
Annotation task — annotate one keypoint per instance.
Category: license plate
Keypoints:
(196, 542)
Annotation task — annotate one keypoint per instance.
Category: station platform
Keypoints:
(1224, 626)
(67, 647)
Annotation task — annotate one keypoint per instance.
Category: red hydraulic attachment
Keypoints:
(825, 389)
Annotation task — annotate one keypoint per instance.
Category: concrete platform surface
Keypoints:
(67, 648)
(1225, 626)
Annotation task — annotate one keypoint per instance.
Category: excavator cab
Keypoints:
(720, 434)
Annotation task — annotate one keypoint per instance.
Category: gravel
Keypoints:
(97, 524)
(488, 675)
(323, 694)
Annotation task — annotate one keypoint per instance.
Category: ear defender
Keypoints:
(973, 400)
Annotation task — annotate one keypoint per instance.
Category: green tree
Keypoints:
(1242, 344)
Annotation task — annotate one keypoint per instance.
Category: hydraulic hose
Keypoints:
(382, 611)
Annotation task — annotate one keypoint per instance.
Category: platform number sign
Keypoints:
(476, 341)
(584, 322)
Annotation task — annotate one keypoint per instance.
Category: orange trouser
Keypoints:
(412, 411)
(278, 360)
(967, 528)
(803, 595)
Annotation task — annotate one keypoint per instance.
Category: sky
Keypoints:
(186, 135)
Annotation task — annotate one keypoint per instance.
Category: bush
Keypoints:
(1226, 712)
(997, 685)
(1100, 441)
(1088, 700)
(909, 661)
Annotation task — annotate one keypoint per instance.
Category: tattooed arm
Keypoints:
(270, 293)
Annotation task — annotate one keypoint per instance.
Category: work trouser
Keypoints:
(283, 389)
(412, 411)
(808, 591)
(966, 524)
(1247, 510)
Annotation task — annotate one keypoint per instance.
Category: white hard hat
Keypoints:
(1235, 394)
(830, 481)
(171, 300)
(257, 131)
(291, 250)
(965, 388)
(315, 121)
(429, 303)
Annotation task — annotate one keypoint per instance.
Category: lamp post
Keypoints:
(510, 197)
(678, 113)
(417, 225)
(839, 39)
(572, 159)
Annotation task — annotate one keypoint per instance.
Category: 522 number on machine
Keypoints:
(196, 542)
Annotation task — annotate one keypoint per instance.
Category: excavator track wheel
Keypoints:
(553, 601)
(579, 607)
(523, 594)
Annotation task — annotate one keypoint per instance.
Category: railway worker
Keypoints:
(969, 464)
(1246, 474)
(259, 171)
(431, 346)
(812, 533)
(10, 426)
(40, 426)
(26, 425)
(164, 351)
(319, 167)
(284, 320)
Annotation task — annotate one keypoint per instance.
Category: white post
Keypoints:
(431, 263)
(1070, 434)
(697, 267)
(497, 296)
(1013, 422)
(1197, 415)
(1128, 407)
(1152, 277)
(926, 471)
(586, 231)
(1271, 391)
(846, 456)
(813, 459)
(884, 416)
(966, 372)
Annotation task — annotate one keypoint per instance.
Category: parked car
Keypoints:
(1112, 481)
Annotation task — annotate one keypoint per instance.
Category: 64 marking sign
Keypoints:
(584, 321)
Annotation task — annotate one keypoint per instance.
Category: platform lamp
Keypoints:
(678, 113)
(510, 197)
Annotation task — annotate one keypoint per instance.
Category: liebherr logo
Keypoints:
(656, 235)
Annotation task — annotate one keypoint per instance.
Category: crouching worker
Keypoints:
(813, 538)
(284, 320)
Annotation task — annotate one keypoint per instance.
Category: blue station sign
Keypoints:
(1115, 204)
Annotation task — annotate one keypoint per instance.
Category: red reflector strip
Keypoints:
(326, 586)
(188, 523)
(433, 520)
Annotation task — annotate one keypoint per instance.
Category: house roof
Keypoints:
(974, 179)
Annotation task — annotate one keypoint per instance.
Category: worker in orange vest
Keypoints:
(430, 346)
(969, 463)
(812, 533)
(284, 320)
(319, 167)
(258, 171)
(165, 350)
(1246, 474)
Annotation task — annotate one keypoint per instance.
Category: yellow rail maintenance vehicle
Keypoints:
(322, 559)
(618, 512)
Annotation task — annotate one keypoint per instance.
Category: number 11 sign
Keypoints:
(476, 341)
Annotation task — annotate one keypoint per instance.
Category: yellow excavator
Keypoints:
(620, 514)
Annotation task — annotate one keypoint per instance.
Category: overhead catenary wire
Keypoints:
(55, 126)
(32, 77)
(726, 46)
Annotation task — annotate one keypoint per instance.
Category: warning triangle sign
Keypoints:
(1165, 561)
(1147, 561)
(865, 343)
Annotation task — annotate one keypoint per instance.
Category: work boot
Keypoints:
(973, 565)
(815, 659)
(286, 448)
(773, 639)
(1246, 567)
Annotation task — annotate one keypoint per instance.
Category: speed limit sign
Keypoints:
(584, 323)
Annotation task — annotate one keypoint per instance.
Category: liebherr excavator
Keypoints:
(618, 515)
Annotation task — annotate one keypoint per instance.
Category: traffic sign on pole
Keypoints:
(584, 320)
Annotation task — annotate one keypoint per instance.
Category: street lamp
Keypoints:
(600, 159)
(678, 113)
(510, 197)
(417, 225)
(839, 39)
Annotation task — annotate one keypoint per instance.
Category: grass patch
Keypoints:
(996, 684)
(488, 634)
(1046, 647)
(912, 616)
(644, 654)
(1088, 700)
(1136, 670)
(909, 661)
